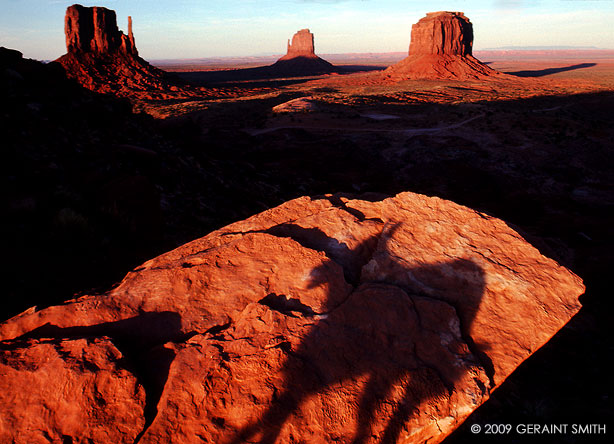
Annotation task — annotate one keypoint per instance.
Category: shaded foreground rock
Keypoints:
(441, 48)
(325, 320)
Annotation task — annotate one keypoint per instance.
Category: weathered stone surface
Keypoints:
(441, 48)
(327, 319)
(54, 390)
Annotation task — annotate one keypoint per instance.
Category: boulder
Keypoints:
(441, 48)
(330, 319)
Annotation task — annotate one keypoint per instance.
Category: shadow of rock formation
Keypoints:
(550, 71)
(407, 353)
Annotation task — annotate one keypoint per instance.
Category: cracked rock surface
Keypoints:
(322, 320)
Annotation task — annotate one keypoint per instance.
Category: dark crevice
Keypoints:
(286, 306)
(216, 329)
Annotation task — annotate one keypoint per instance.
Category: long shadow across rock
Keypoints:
(549, 71)
(403, 359)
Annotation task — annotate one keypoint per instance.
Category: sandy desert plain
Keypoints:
(97, 184)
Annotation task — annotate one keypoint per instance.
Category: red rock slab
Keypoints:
(352, 374)
(328, 319)
(525, 299)
(53, 390)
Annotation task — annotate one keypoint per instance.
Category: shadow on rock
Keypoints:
(406, 357)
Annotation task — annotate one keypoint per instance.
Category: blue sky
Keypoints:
(202, 28)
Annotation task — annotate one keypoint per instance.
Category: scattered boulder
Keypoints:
(441, 48)
(321, 320)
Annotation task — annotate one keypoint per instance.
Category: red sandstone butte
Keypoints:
(441, 48)
(301, 46)
(102, 58)
(329, 319)
(301, 59)
(95, 30)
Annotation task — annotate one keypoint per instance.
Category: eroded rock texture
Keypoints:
(321, 320)
(441, 48)
(57, 390)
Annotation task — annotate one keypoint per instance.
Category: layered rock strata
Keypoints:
(441, 48)
(321, 320)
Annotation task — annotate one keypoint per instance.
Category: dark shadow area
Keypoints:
(549, 71)
(141, 341)
(281, 73)
(253, 78)
(379, 333)
(362, 68)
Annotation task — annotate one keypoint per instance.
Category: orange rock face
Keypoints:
(302, 45)
(441, 48)
(53, 390)
(321, 320)
(448, 33)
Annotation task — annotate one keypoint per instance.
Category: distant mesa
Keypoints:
(441, 48)
(104, 59)
(301, 59)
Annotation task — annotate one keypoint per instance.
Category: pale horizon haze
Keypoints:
(183, 29)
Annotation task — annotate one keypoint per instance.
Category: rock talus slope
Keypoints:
(321, 320)
(441, 48)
